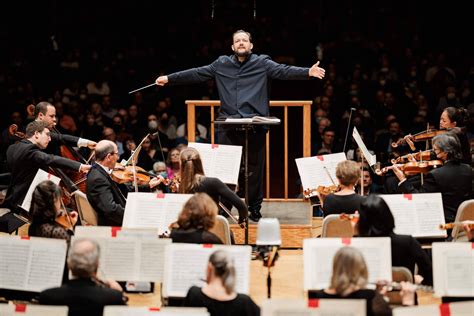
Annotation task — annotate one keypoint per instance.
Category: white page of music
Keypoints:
(186, 264)
(33, 310)
(220, 161)
(455, 309)
(319, 170)
(40, 176)
(152, 210)
(323, 307)
(31, 264)
(131, 258)
(108, 231)
(318, 256)
(151, 311)
(371, 159)
(417, 214)
(453, 268)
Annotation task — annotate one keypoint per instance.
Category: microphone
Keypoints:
(347, 131)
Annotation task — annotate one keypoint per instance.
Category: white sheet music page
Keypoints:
(31, 263)
(32, 310)
(453, 269)
(186, 264)
(154, 311)
(40, 176)
(108, 231)
(220, 161)
(152, 210)
(371, 159)
(319, 170)
(314, 307)
(452, 309)
(417, 214)
(318, 254)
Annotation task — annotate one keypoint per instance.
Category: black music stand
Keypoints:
(246, 124)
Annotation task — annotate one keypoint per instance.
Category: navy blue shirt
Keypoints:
(243, 87)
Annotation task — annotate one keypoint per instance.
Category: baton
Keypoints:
(153, 84)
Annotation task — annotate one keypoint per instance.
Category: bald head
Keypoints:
(103, 148)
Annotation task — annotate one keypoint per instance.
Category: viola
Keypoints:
(122, 174)
(469, 224)
(419, 137)
(66, 220)
(422, 155)
(413, 167)
(321, 191)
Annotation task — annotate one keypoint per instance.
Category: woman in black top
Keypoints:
(197, 217)
(376, 220)
(346, 200)
(193, 180)
(349, 280)
(218, 295)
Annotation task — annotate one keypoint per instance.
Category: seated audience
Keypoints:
(85, 294)
(219, 295)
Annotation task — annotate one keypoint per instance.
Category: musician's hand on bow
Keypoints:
(85, 168)
(161, 80)
(407, 293)
(156, 181)
(91, 145)
(316, 71)
(400, 175)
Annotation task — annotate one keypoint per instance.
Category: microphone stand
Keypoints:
(347, 131)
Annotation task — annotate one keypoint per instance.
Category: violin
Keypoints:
(469, 224)
(422, 155)
(354, 218)
(321, 191)
(122, 174)
(66, 220)
(413, 167)
(419, 137)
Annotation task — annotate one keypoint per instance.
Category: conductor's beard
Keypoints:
(243, 54)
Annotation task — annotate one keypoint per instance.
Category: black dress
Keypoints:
(242, 305)
(337, 204)
(194, 236)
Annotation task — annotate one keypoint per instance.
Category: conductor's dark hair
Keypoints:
(242, 31)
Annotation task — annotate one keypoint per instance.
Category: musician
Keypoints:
(346, 200)
(455, 119)
(45, 111)
(193, 180)
(243, 82)
(453, 179)
(85, 294)
(26, 157)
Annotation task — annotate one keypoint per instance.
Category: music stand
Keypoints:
(246, 124)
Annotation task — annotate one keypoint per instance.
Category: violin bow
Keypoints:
(225, 209)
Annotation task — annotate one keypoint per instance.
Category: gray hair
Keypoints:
(449, 143)
(224, 269)
(103, 148)
(83, 258)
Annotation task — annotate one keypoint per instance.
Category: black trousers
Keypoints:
(235, 135)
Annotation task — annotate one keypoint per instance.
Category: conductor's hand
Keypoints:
(161, 80)
(314, 71)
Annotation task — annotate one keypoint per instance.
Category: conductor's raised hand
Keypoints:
(161, 80)
(316, 71)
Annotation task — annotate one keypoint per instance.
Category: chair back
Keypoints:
(334, 226)
(465, 212)
(87, 214)
(399, 274)
(222, 229)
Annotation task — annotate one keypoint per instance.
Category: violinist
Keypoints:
(453, 179)
(346, 200)
(85, 294)
(26, 157)
(455, 120)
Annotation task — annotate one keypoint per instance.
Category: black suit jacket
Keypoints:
(23, 160)
(105, 197)
(453, 180)
(57, 139)
(82, 296)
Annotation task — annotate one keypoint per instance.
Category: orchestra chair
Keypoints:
(222, 229)
(334, 226)
(87, 214)
(399, 274)
(465, 212)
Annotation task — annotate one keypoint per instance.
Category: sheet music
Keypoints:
(107, 231)
(453, 269)
(186, 264)
(131, 258)
(254, 119)
(151, 210)
(220, 161)
(371, 159)
(40, 176)
(32, 310)
(319, 170)
(153, 311)
(418, 214)
(318, 256)
(31, 264)
(325, 307)
(455, 309)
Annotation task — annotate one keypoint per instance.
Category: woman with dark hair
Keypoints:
(46, 210)
(455, 119)
(376, 220)
(197, 217)
(193, 180)
(219, 295)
